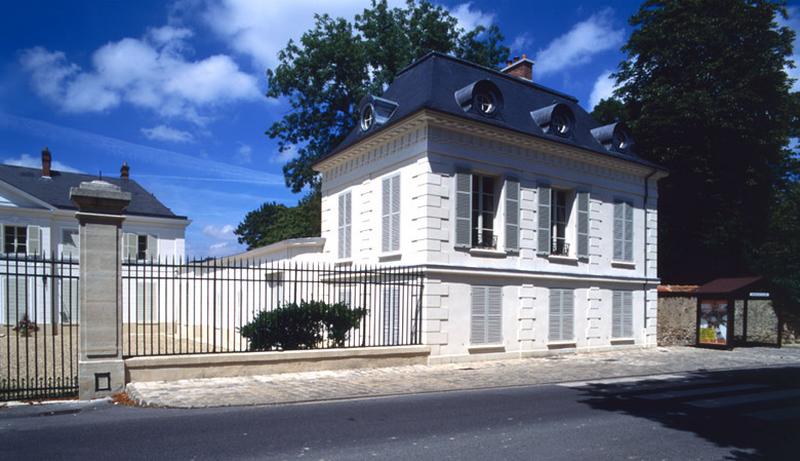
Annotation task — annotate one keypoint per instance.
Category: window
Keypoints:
(390, 214)
(345, 225)
(140, 247)
(70, 243)
(483, 212)
(485, 103)
(367, 117)
(623, 231)
(486, 319)
(561, 123)
(562, 315)
(622, 315)
(559, 219)
(16, 239)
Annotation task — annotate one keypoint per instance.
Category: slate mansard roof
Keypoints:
(432, 82)
(55, 190)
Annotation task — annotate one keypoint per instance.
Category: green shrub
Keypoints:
(301, 326)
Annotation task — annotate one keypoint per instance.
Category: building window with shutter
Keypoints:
(622, 315)
(560, 211)
(140, 247)
(623, 231)
(390, 214)
(345, 225)
(486, 319)
(563, 223)
(562, 315)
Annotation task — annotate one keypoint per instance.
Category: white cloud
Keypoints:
(36, 162)
(224, 232)
(166, 133)
(580, 44)
(521, 42)
(151, 73)
(603, 88)
(470, 18)
(244, 154)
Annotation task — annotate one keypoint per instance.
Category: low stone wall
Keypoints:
(169, 368)
(677, 318)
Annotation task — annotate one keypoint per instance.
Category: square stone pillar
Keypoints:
(101, 371)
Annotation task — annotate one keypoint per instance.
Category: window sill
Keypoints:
(622, 341)
(623, 264)
(486, 348)
(393, 256)
(487, 253)
(562, 345)
(563, 259)
(343, 262)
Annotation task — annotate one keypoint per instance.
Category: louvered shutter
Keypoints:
(554, 323)
(494, 314)
(391, 315)
(478, 316)
(583, 225)
(463, 209)
(619, 231)
(395, 238)
(628, 235)
(512, 214)
(129, 242)
(348, 216)
(544, 231)
(344, 225)
(616, 315)
(627, 314)
(386, 214)
(34, 240)
(2, 239)
(152, 247)
(567, 315)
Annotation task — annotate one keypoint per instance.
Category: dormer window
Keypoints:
(614, 136)
(556, 119)
(367, 117)
(482, 97)
(560, 124)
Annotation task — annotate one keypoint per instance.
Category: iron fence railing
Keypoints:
(38, 326)
(198, 307)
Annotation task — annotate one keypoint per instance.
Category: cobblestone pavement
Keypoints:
(342, 384)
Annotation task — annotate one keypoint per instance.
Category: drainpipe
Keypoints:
(644, 285)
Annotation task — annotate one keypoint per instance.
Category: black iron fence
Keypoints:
(199, 307)
(38, 327)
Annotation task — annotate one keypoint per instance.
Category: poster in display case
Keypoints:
(713, 323)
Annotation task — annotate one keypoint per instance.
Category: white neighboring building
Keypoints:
(535, 226)
(37, 220)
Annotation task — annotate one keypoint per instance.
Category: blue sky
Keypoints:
(176, 88)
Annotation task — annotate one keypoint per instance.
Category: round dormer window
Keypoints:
(620, 140)
(485, 103)
(367, 117)
(561, 123)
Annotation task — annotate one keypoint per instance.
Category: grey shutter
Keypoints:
(344, 225)
(628, 236)
(478, 316)
(463, 210)
(494, 314)
(386, 215)
(395, 219)
(348, 216)
(616, 315)
(544, 230)
(554, 323)
(152, 247)
(583, 225)
(340, 227)
(627, 314)
(2, 239)
(619, 231)
(34, 240)
(568, 315)
(512, 214)
(391, 316)
(129, 242)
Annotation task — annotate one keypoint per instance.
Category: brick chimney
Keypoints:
(520, 68)
(47, 161)
(125, 171)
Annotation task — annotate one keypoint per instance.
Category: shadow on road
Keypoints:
(728, 424)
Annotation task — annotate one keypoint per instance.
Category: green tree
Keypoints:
(325, 74)
(706, 95)
(273, 222)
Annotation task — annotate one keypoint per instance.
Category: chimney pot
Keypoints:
(47, 161)
(124, 171)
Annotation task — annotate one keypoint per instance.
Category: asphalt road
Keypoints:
(752, 414)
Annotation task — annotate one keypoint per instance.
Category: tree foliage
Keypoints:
(273, 222)
(337, 63)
